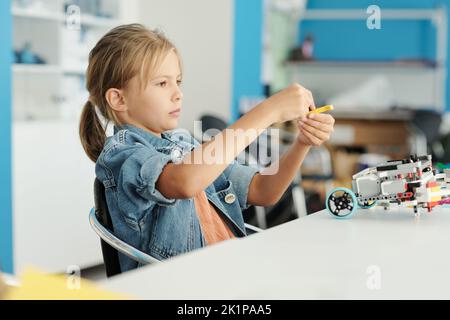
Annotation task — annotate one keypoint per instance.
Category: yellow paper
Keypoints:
(3, 287)
(36, 285)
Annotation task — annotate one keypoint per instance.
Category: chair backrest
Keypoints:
(110, 255)
(429, 122)
(212, 122)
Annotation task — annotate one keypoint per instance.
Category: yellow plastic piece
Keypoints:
(322, 109)
(36, 285)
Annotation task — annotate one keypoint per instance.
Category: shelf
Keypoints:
(361, 14)
(400, 71)
(58, 85)
(36, 68)
(386, 115)
(86, 20)
(365, 64)
(43, 15)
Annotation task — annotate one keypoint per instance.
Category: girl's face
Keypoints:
(157, 107)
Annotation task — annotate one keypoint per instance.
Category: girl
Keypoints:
(165, 207)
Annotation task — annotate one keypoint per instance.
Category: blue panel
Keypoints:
(351, 40)
(355, 4)
(247, 51)
(6, 253)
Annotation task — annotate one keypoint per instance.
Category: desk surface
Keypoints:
(374, 255)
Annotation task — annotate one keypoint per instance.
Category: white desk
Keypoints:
(316, 257)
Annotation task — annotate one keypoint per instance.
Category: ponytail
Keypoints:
(92, 133)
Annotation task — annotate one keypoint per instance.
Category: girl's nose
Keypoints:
(178, 95)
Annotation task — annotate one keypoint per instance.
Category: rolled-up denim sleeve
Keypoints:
(241, 177)
(138, 176)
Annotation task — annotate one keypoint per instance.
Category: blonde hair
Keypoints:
(123, 53)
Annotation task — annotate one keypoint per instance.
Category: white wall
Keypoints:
(53, 192)
(203, 31)
(129, 11)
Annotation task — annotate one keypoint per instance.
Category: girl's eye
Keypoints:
(162, 84)
(179, 82)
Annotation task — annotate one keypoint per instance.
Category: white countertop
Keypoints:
(375, 255)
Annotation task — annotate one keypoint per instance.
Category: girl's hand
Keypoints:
(315, 129)
(293, 102)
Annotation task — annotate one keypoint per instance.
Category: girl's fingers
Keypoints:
(322, 117)
(311, 137)
(312, 105)
(315, 132)
(324, 127)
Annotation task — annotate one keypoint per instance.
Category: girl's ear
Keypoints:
(116, 100)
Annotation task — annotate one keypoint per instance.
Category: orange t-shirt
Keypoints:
(214, 228)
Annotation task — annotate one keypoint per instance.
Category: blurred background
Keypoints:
(383, 66)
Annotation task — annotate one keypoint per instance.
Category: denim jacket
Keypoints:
(129, 166)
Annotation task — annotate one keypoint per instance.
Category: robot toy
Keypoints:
(410, 182)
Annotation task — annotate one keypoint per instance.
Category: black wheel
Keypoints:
(341, 203)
